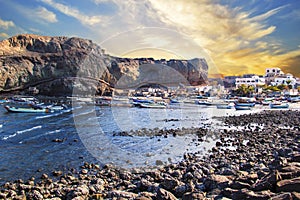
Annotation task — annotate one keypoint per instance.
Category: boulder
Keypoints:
(289, 185)
(163, 194)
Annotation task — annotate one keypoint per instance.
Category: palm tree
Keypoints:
(245, 90)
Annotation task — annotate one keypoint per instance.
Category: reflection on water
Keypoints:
(29, 144)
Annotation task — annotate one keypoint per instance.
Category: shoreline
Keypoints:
(257, 162)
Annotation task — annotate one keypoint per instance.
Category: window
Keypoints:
(274, 70)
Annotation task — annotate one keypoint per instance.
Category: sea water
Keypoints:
(86, 133)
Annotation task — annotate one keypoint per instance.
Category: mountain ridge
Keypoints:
(61, 65)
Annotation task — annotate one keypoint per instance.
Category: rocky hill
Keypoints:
(64, 66)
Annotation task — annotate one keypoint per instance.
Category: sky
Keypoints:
(234, 36)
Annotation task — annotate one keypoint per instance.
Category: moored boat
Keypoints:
(152, 105)
(245, 104)
(279, 106)
(242, 107)
(226, 106)
(27, 110)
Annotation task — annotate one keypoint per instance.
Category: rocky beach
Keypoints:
(256, 157)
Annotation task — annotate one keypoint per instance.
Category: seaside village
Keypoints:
(273, 90)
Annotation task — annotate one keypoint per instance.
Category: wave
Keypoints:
(21, 132)
(38, 136)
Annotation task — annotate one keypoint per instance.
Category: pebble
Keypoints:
(264, 164)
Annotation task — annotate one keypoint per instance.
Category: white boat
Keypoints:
(152, 105)
(27, 110)
(242, 107)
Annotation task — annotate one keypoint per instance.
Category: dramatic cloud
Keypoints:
(45, 15)
(6, 24)
(235, 40)
(73, 12)
(3, 35)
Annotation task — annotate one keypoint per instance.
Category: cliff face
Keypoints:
(62, 66)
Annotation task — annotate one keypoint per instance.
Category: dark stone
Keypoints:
(290, 185)
(284, 196)
(239, 185)
(193, 196)
(268, 182)
(163, 194)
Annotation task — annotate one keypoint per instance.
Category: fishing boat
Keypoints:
(174, 101)
(2, 101)
(27, 110)
(152, 105)
(138, 102)
(225, 106)
(242, 107)
(279, 105)
(245, 104)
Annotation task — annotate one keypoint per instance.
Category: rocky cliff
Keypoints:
(64, 66)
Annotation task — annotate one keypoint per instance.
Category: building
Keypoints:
(271, 72)
(252, 81)
(285, 79)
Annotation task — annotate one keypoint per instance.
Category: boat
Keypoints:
(3, 101)
(279, 106)
(242, 107)
(174, 101)
(27, 110)
(225, 106)
(138, 102)
(152, 105)
(245, 104)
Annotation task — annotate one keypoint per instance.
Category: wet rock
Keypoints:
(193, 196)
(80, 191)
(296, 195)
(290, 185)
(182, 189)
(247, 194)
(296, 157)
(215, 181)
(57, 140)
(35, 195)
(163, 194)
(268, 182)
(44, 176)
(159, 162)
(169, 183)
(121, 194)
(143, 185)
(284, 196)
(239, 185)
(57, 173)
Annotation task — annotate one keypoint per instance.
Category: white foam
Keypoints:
(35, 137)
(21, 132)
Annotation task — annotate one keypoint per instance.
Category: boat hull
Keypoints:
(26, 110)
(245, 104)
(281, 106)
(157, 106)
(242, 108)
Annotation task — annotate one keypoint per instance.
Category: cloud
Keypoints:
(73, 12)
(45, 15)
(6, 24)
(4, 35)
(236, 40)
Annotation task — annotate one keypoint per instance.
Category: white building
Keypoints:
(272, 72)
(286, 79)
(253, 81)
